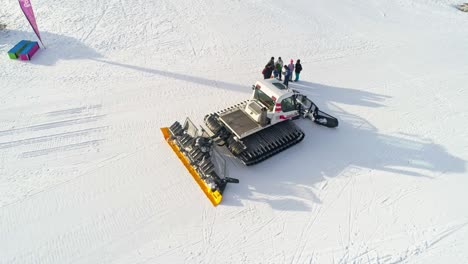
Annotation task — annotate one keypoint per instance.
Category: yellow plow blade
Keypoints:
(215, 197)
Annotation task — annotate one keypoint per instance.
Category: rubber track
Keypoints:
(269, 142)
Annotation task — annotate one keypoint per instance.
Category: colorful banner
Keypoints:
(28, 12)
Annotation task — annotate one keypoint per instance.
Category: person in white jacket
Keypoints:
(291, 68)
(279, 67)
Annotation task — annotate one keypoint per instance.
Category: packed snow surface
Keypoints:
(86, 176)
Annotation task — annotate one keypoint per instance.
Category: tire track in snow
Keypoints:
(208, 226)
(402, 193)
(40, 152)
(53, 137)
(100, 231)
(426, 245)
(51, 125)
(252, 232)
(306, 233)
(93, 28)
(73, 111)
(346, 246)
(52, 140)
(350, 173)
(93, 233)
(102, 164)
(414, 251)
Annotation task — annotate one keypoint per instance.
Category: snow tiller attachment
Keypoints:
(195, 149)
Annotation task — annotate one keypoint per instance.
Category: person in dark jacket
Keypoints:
(269, 67)
(287, 74)
(298, 70)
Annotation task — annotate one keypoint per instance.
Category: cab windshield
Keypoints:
(264, 99)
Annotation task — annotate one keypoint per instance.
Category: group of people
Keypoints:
(279, 69)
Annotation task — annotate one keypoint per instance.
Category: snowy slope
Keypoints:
(86, 177)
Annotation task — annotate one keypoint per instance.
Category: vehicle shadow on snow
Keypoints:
(325, 93)
(296, 178)
(179, 76)
(58, 47)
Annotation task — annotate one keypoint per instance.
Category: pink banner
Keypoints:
(28, 12)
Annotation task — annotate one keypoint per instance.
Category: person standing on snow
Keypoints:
(291, 68)
(298, 70)
(287, 75)
(269, 68)
(279, 67)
